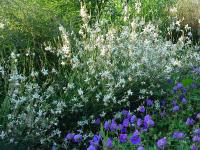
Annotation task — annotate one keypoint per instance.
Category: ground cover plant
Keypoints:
(123, 80)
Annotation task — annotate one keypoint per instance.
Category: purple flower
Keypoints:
(53, 147)
(197, 131)
(148, 120)
(129, 115)
(92, 147)
(136, 133)
(197, 70)
(190, 121)
(174, 102)
(184, 100)
(140, 148)
(198, 116)
(78, 138)
(125, 112)
(196, 139)
(142, 109)
(126, 122)
(97, 121)
(163, 102)
(178, 135)
(69, 136)
(113, 126)
(96, 139)
(123, 138)
(139, 122)
(107, 125)
(176, 108)
(135, 139)
(123, 130)
(162, 114)
(149, 102)
(179, 86)
(109, 143)
(133, 118)
(161, 143)
(193, 147)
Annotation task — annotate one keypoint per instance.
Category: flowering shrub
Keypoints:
(170, 130)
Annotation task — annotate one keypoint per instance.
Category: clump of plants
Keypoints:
(170, 123)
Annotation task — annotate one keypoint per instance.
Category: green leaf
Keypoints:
(187, 82)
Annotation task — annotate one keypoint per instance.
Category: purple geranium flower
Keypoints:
(162, 143)
(197, 70)
(184, 100)
(107, 125)
(193, 147)
(196, 139)
(109, 143)
(162, 114)
(135, 139)
(142, 109)
(133, 118)
(139, 122)
(178, 135)
(96, 139)
(176, 108)
(126, 122)
(125, 112)
(123, 138)
(92, 147)
(198, 116)
(78, 138)
(113, 126)
(190, 121)
(53, 147)
(197, 131)
(97, 121)
(148, 120)
(149, 102)
(69, 136)
(140, 148)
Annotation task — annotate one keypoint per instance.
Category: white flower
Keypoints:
(80, 92)
(2, 26)
(173, 10)
(44, 71)
(2, 135)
